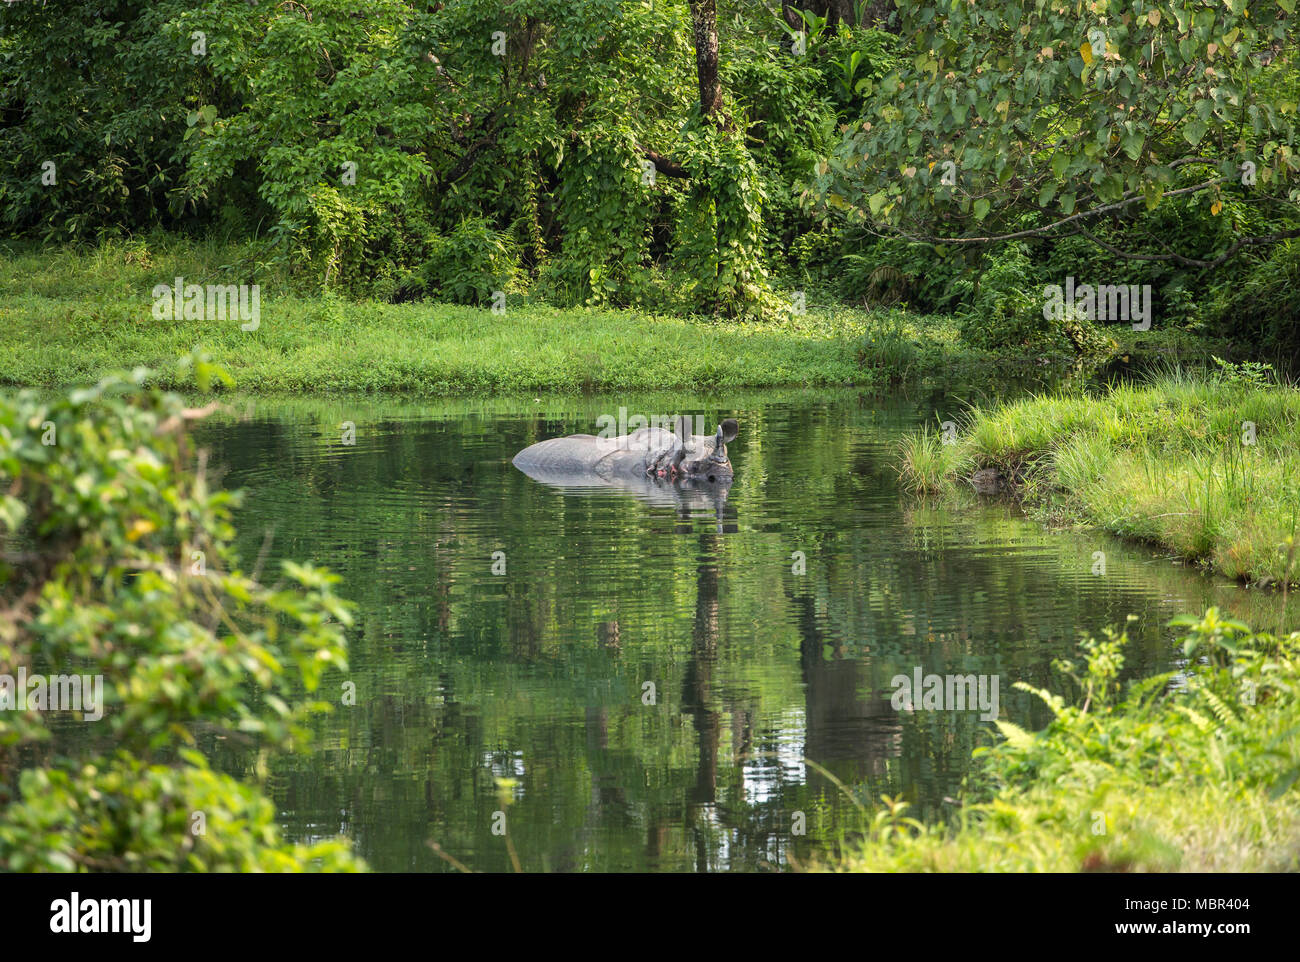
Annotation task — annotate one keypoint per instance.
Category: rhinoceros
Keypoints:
(652, 453)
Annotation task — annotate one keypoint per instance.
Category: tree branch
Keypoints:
(668, 168)
(1192, 261)
(1046, 228)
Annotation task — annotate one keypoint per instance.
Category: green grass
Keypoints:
(68, 315)
(1196, 773)
(1163, 461)
(927, 465)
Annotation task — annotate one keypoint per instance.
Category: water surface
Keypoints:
(655, 683)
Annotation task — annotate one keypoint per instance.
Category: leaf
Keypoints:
(139, 528)
(982, 208)
(1194, 132)
(1085, 49)
(1133, 145)
(1284, 783)
(1216, 207)
(876, 201)
(1013, 733)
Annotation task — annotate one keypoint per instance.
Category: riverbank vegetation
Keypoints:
(71, 316)
(1191, 770)
(1205, 465)
(672, 159)
(471, 197)
(123, 606)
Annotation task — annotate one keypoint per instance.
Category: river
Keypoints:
(602, 680)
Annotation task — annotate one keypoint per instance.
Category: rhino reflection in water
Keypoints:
(648, 456)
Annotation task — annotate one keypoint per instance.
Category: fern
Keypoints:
(1055, 702)
(1228, 718)
(1203, 724)
(1016, 736)
(1148, 688)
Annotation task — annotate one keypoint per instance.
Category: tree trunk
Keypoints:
(704, 23)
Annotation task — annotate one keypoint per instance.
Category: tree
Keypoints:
(704, 30)
(1020, 120)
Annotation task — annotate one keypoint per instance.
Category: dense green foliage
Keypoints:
(1053, 107)
(1018, 116)
(365, 137)
(116, 563)
(1131, 144)
(449, 151)
(1260, 312)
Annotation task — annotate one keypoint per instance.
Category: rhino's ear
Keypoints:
(729, 429)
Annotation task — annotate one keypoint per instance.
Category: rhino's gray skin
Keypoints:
(648, 455)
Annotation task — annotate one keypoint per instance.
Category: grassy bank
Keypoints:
(1193, 771)
(1207, 466)
(68, 315)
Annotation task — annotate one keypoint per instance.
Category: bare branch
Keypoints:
(1177, 258)
(669, 168)
(1047, 228)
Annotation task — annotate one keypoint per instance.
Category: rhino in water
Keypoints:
(649, 453)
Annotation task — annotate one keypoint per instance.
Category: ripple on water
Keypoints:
(642, 681)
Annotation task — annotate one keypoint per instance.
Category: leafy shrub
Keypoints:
(467, 265)
(888, 345)
(721, 224)
(116, 562)
(604, 210)
(99, 90)
(1005, 311)
(890, 269)
(1261, 311)
(1248, 373)
(1223, 800)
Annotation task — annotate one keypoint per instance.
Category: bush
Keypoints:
(893, 269)
(467, 265)
(116, 564)
(1225, 800)
(1262, 311)
(107, 112)
(1006, 308)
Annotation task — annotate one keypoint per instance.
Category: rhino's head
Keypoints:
(704, 458)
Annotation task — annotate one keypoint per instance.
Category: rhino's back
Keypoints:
(576, 453)
(588, 454)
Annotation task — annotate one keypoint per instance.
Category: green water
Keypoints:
(651, 684)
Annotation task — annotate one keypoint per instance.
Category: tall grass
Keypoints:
(1207, 466)
(927, 464)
